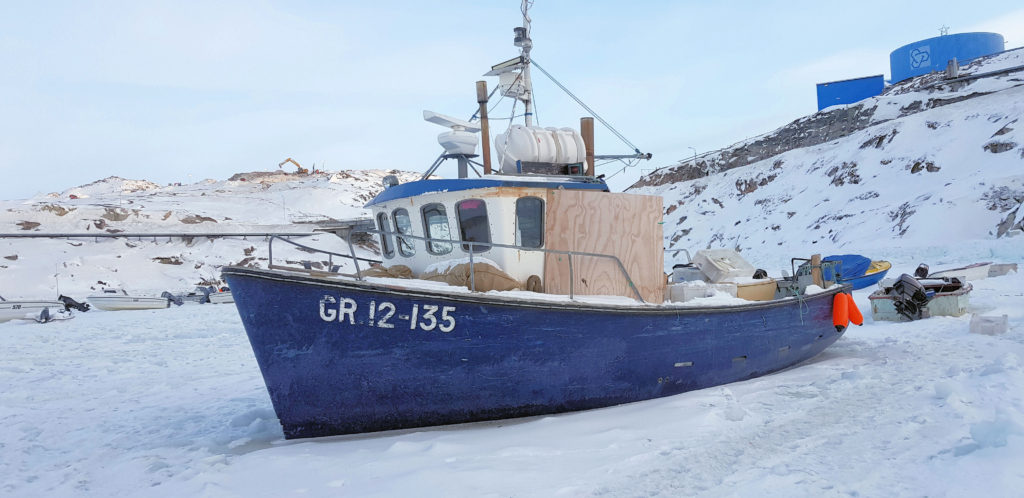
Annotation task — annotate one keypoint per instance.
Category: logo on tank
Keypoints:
(921, 57)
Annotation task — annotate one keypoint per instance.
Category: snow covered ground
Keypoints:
(171, 403)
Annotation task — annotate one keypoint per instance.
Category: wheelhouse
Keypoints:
(472, 214)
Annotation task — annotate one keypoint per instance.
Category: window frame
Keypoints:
(431, 245)
(401, 242)
(518, 225)
(387, 248)
(487, 224)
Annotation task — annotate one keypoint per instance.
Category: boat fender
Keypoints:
(855, 316)
(840, 312)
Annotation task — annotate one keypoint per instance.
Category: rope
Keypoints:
(585, 106)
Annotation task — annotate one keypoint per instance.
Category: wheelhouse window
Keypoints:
(530, 222)
(473, 225)
(403, 226)
(385, 238)
(435, 226)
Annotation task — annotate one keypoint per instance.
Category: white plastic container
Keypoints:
(720, 265)
(687, 274)
(687, 291)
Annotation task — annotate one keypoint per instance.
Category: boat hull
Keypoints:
(27, 310)
(121, 303)
(221, 298)
(977, 271)
(332, 366)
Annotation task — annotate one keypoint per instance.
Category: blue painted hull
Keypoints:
(448, 358)
(864, 280)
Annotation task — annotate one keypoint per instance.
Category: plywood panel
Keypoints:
(623, 225)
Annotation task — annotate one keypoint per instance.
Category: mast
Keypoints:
(524, 42)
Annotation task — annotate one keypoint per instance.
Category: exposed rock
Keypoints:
(195, 218)
(28, 225)
(56, 209)
(880, 141)
(844, 173)
(13, 257)
(1004, 130)
(996, 147)
(115, 214)
(900, 215)
(168, 260)
(1003, 198)
(923, 164)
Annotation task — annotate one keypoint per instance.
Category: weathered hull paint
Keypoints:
(500, 359)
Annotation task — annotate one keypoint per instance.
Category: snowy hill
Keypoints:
(171, 402)
(929, 164)
(259, 202)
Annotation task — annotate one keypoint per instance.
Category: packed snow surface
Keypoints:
(171, 403)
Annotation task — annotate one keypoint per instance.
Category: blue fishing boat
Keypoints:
(858, 271)
(529, 290)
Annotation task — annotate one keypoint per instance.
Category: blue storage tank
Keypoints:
(925, 56)
(849, 91)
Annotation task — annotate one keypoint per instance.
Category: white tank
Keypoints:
(536, 144)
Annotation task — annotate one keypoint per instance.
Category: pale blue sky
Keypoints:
(182, 91)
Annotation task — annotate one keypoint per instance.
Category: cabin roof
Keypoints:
(412, 189)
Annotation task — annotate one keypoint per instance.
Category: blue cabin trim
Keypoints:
(420, 187)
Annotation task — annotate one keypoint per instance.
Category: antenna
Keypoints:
(524, 42)
(461, 140)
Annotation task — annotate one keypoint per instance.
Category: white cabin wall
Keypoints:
(501, 210)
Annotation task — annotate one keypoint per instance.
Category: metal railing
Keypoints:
(471, 245)
(330, 255)
(147, 235)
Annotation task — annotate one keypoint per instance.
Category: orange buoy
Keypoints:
(840, 312)
(855, 315)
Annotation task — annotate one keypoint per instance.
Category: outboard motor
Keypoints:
(909, 297)
(206, 293)
(172, 298)
(921, 271)
(71, 304)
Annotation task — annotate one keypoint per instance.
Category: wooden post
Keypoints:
(485, 150)
(587, 130)
(816, 274)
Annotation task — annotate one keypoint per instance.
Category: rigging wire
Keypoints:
(585, 106)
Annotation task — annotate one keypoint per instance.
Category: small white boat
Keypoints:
(38, 310)
(221, 297)
(118, 299)
(908, 298)
(977, 271)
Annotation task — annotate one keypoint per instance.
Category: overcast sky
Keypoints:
(182, 91)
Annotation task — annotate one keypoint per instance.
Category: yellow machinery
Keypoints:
(299, 169)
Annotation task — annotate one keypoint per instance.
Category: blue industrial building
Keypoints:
(912, 59)
(849, 91)
(925, 56)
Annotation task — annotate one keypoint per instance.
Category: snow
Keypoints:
(171, 403)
